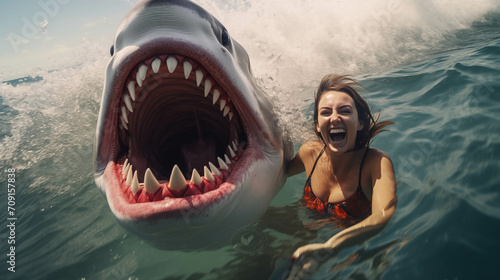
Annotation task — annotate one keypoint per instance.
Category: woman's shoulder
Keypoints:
(377, 160)
(304, 156)
(373, 154)
(310, 149)
(313, 144)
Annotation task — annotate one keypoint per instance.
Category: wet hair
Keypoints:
(346, 84)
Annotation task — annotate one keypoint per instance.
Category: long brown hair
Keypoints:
(346, 84)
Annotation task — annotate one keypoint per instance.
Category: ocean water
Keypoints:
(433, 67)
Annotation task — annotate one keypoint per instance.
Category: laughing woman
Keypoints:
(347, 181)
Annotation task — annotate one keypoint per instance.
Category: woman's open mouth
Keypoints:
(176, 122)
(337, 134)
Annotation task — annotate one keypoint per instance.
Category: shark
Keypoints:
(188, 148)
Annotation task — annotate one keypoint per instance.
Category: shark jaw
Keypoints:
(181, 140)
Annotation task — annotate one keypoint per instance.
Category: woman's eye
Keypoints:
(345, 110)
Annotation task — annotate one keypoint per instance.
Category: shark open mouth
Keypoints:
(175, 121)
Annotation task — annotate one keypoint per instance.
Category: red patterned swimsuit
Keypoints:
(350, 211)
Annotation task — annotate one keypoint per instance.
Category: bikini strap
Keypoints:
(361, 167)
(314, 166)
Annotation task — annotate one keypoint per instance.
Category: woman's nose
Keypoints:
(335, 118)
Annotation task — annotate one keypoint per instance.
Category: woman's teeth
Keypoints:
(337, 134)
(336, 130)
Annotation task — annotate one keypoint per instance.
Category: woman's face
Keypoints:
(338, 121)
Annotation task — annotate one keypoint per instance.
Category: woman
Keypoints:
(346, 180)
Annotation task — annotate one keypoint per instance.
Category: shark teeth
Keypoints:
(214, 169)
(231, 152)
(188, 67)
(222, 104)
(196, 178)
(208, 175)
(144, 70)
(177, 180)
(151, 185)
(199, 77)
(134, 187)
(208, 87)
(123, 122)
(171, 64)
(177, 186)
(131, 89)
(124, 114)
(141, 75)
(128, 103)
(215, 96)
(155, 65)
(222, 164)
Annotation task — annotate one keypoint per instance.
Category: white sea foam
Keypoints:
(52, 121)
(296, 42)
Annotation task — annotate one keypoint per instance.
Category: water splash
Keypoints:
(53, 120)
(311, 38)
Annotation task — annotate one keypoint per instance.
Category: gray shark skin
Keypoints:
(179, 93)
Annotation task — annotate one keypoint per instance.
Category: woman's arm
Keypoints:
(383, 207)
(295, 166)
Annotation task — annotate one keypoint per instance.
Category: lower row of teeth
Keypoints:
(152, 190)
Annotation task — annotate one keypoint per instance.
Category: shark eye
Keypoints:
(225, 38)
(112, 50)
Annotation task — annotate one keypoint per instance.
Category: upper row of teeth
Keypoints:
(337, 130)
(131, 93)
(177, 180)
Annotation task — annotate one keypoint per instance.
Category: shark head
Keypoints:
(188, 148)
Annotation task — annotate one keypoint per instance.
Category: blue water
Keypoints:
(444, 96)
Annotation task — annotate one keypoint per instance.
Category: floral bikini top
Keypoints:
(350, 211)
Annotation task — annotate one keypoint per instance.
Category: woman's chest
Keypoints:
(330, 188)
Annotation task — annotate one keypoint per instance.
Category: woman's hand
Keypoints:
(307, 259)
